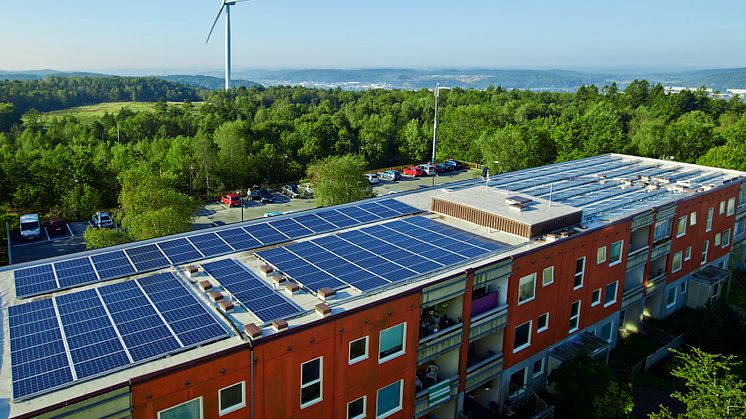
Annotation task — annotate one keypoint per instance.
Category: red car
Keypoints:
(413, 171)
(57, 226)
(232, 200)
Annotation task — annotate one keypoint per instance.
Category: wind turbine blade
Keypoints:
(240, 1)
(222, 6)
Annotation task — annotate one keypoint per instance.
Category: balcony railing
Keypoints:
(438, 343)
(656, 282)
(637, 257)
(660, 250)
(632, 295)
(435, 396)
(642, 221)
(488, 322)
(483, 371)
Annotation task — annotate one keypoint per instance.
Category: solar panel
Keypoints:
(180, 251)
(34, 280)
(238, 239)
(112, 265)
(210, 244)
(252, 292)
(375, 256)
(147, 258)
(75, 272)
(72, 337)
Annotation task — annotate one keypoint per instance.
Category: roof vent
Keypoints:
(266, 270)
(252, 330)
(292, 287)
(323, 309)
(226, 306)
(278, 280)
(325, 293)
(216, 296)
(192, 271)
(518, 203)
(280, 325)
(205, 285)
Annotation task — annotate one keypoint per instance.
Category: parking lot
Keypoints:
(212, 214)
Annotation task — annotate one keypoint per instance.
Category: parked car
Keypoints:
(392, 175)
(291, 190)
(231, 200)
(428, 169)
(265, 196)
(253, 192)
(101, 220)
(413, 171)
(306, 190)
(453, 164)
(371, 178)
(441, 168)
(30, 228)
(57, 226)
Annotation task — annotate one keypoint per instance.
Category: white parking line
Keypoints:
(47, 233)
(69, 230)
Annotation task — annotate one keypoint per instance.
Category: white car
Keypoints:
(30, 227)
(428, 168)
(372, 178)
(101, 220)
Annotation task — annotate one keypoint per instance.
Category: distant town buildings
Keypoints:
(727, 95)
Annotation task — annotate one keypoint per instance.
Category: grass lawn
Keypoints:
(91, 113)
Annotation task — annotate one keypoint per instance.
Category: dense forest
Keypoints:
(271, 135)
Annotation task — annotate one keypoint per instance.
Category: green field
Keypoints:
(90, 113)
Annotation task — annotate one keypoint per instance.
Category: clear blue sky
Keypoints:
(167, 35)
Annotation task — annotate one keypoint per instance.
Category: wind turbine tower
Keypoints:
(225, 4)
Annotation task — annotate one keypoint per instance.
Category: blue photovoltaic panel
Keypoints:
(238, 239)
(378, 255)
(179, 251)
(75, 272)
(265, 233)
(210, 244)
(34, 280)
(253, 293)
(315, 223)
(147, 258)
(112, 265)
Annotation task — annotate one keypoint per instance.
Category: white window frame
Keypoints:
(616, 294)
(594, 300)
(535, 374)
(611, 331)
(319, 380)
(717, 239)
(693, 218)
(705, 252)
(530, 324)
(403, 344)
(365, 406)
(235, 407)
(531, 278)
(600, 255)
(675, 295)
(731, 207)
(688, 253)
(520, 391)
(546, 324)
(673, 261)
(710, 214)
(721, 210)
(726, 238)
(201, 407)
(678, 226)
(544, 275)
(396, 409)
(581, 273)
(360, 358)
(683, 287)
(621, 253)
(576, 317)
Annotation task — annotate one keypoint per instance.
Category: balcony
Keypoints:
(632, 295)
(480, 370)
(440, 342)
(488, 322)
(435, 396)
(656, 282)
(661, 249)
(637, 257)
(642, 221)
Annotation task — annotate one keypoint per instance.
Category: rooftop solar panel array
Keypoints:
(379, 255)
(252, 292)
(41, 279)
(58, 341)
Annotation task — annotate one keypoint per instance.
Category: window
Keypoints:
(616, 252)
(522, 337)
(388, 400)
(310, 382)
(391, 342)
(358, 350)
(722, 208)
(574, 316)
(606, 331)
(676, 262)
(538, 368)
(662, 230)
(731, 207)
(708, 226)
(527, 288)
(596, 297)
(517, 383)
(693, 218)
(671, 297)
(547, 276)
(726, 238)
(688, 253)
(716, 291)
(191, 409)
(601, 255)
(356, 408)
(704, 252)
(579, 273)
(682, 287)
(717, 239)
(610, 296)
(543, 323)
(681, 227)
(232, 398)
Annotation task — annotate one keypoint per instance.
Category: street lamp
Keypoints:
(435, 123)
(191, 169)
(77, 199)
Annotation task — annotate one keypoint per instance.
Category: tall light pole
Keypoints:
(435, 122)
(191, 169)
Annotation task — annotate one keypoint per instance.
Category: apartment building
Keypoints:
(439, 303)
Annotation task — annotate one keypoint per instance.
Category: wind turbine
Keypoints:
(225, 4)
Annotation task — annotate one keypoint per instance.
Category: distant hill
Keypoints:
(206, 82)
